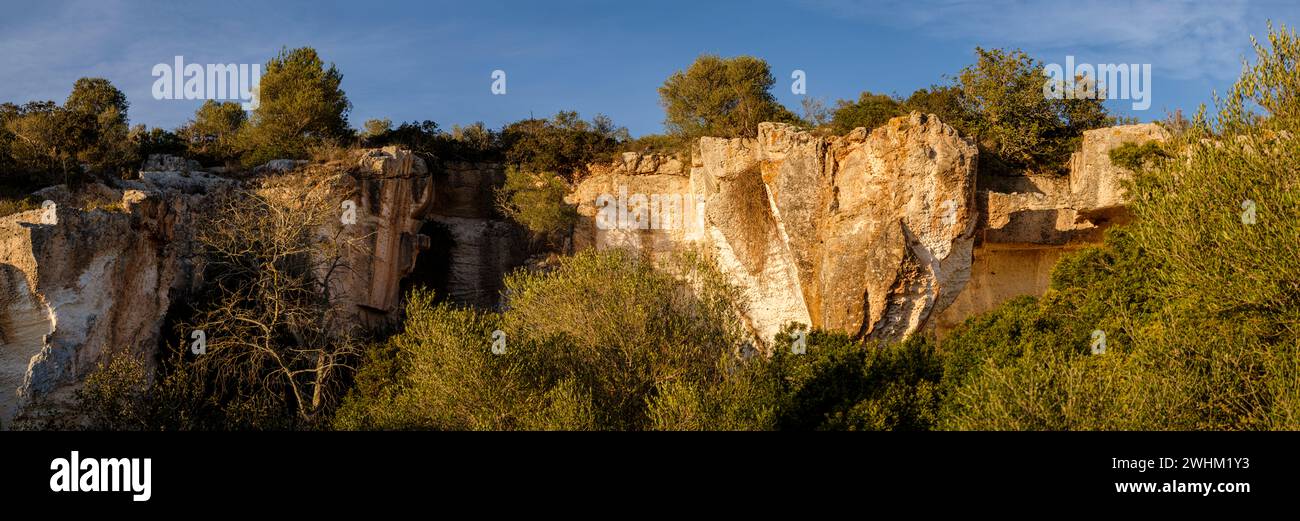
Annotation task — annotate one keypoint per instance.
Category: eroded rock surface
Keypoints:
(95, 273)
(868, 233)
(877, 234)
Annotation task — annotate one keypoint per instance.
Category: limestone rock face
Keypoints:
(1096, 183)
(395, 192)
(85, 283)
(383, 197)
(868, 234)
(473, 246)
(1026, 224)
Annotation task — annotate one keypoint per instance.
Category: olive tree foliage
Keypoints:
(721, 97)
(43, 143)
(587, 345)
(44, 140)
(536, 201)
(213, 134)
(105, 108)
(375, 127)
(564, 144)
(1197, 297)
(869, 111)
(1004, 109)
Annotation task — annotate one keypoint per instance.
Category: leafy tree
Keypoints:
(469, 143)
(46, 139)
(213, 135)
(97, 96)
(148, 141)
(9, 172)
(1016, 126)
(870, 111)
(564, 144)
(942, 101)
(375, 127)
(658, 144)
(836, 383)
(1197, 297)
(300, 105)
(722, 97)
(110, 150)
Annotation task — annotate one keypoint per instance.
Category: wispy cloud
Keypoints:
(1183, 38)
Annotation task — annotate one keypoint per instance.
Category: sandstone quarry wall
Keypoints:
(868, 233)
(878, 234)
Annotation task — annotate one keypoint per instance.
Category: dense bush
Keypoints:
(999, 102)
(43, 143)
(148, 141)
(45, 140)
(721, 97)
(587, 345)
(658, 144)
(836, 384)
(1016, 126)
(869, 111)
(213, 135)
(536, 200)
(564, 144)
(470, 143)
(109, 150)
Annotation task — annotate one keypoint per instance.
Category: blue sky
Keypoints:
(433, 60)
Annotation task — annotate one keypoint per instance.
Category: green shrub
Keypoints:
(470, 143)
(943, 101)
(564, 144)
(721, 97)
(109, 150)
(1134, 156)
(1012, 120)
(148, 141)
(836, 384)
(869, 111)
(1199, 297)
(588, 345)
(536, 200)
(213, 135)
(658, 144)
(46, 140)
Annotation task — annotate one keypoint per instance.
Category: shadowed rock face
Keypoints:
(868, 233)
(99, 282)
(478, 245)
(88, 283)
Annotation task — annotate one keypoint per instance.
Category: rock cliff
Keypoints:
(877, 234)
(92, 274)
(868, 233)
